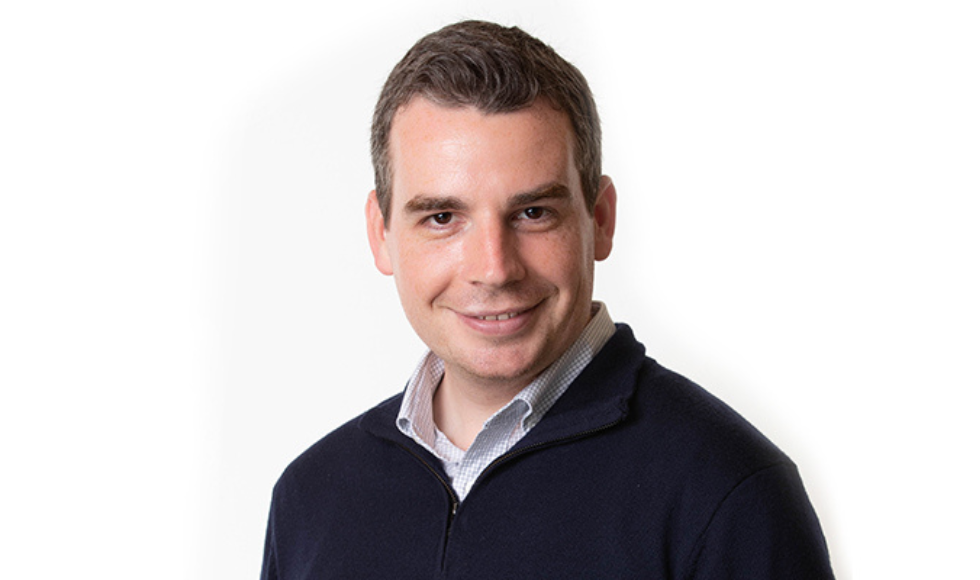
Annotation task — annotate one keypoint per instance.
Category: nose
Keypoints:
(492, 255)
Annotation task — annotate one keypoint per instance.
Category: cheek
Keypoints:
(422, 271)
(565, 256)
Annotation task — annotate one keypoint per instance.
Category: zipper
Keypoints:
(453, 498)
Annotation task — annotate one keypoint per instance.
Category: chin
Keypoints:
(504, 368)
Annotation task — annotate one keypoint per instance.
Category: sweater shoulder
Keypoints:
(699, 431)
(343, 446)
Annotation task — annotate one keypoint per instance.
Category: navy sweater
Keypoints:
(634, 473)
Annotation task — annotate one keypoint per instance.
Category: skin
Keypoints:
(491, 246)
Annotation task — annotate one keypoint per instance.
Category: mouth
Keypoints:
(500, 323)
(505, 316)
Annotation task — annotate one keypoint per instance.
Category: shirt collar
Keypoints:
(415, 415)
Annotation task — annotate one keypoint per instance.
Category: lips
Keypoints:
(499, 314)
(510, 321)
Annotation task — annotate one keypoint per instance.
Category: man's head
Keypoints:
(486, 225)
(495, 70)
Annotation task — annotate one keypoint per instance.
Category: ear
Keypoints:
(377, 234)
(604, 218)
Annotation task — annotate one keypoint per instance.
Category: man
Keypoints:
(535, 439)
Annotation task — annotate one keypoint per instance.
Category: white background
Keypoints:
(188, 299)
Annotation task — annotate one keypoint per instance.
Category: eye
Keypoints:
(533, 213)
(442, 218)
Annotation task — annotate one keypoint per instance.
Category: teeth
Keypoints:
(498, 316)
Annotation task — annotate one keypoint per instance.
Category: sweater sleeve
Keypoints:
(764, 529)
(269, 565)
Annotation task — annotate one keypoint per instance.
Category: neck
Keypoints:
(460, 408)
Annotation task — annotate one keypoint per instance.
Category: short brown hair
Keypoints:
(497, 70)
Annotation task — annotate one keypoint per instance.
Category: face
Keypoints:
(489, 239)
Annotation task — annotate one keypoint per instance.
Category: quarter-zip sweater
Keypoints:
(635, 472)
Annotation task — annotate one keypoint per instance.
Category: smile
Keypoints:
(498, 316)
(500, 323)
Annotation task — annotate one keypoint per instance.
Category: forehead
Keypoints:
(434, 146)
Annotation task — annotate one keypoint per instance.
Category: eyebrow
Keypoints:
(432, 203)
(550, 191)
